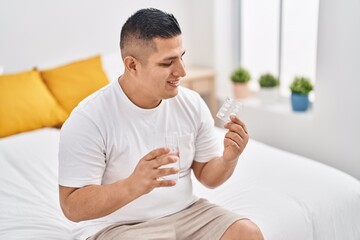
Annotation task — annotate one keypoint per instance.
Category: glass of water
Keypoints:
(172, 142)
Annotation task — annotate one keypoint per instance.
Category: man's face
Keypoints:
(159, 76)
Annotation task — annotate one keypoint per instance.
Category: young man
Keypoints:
(112, 159)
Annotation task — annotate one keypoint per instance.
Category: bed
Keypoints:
(288, 196)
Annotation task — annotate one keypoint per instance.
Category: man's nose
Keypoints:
(179, 70)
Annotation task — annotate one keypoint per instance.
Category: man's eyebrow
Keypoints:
(173, 57)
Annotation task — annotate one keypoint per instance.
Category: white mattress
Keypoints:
(288, 196)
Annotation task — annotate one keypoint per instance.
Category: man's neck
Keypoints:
(135, 95)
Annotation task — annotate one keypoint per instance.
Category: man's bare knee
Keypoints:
(243, 230)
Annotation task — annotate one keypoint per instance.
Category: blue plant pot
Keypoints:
(299, 102)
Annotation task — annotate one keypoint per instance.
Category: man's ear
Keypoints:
(131, 64)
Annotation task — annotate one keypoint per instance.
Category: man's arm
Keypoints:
(219, 169)
(95, 201)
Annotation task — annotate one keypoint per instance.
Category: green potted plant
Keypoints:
(240, 78)
(268, 88)
(300, 89)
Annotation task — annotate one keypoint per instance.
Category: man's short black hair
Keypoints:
(147, 24)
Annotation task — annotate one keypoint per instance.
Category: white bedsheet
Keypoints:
(29, 205)
(288, 196)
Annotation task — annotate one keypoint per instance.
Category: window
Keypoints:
(279, 37)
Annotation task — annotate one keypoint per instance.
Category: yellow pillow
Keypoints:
(26, 104)
(71, 83)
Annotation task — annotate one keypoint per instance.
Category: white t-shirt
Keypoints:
(106, 135)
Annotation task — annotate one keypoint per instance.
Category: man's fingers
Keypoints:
(234, 137)
(163, 160)
(156, 153)
(236, 120)
(236, 128)
(165, 183)
(161, 172)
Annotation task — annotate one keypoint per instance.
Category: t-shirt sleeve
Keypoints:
(81, 152)
(208, 145)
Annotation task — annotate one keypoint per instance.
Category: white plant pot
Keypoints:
(241, 90)
(269, 96)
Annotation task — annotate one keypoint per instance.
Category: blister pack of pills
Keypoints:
(229, 107)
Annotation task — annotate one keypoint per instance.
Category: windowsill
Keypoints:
(281, 106)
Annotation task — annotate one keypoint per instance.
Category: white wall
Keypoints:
(200, 46)
(45, 33)
(338, 84)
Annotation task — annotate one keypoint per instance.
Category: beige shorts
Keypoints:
(201, 220)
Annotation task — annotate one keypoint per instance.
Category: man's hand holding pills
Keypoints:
(235, 139)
